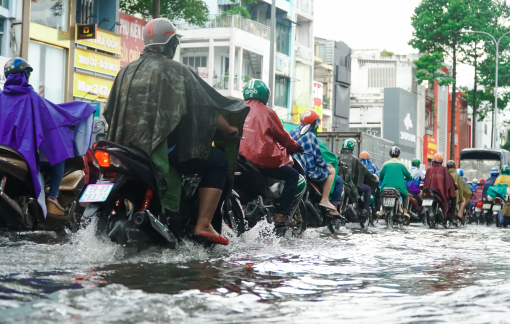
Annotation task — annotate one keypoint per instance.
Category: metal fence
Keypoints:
(377, 147)
(232, 21)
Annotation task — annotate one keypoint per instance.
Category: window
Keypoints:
(1, 34)
(382, 77)
(4, 3)
(281, 90)
(51, 13)
(320, 51)
(195, 61)
(48, 77)
(282, 38)
(427, 118)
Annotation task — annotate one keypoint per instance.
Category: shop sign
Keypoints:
(86, 31)
(91, 87)
(97, 62)
(131, 38)
(105, 41)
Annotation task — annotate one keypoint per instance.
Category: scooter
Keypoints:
(393, 209)
(128, 207)
(352, 210)
(488, 210)
(415, 210)
(19, 210)
(433, 213)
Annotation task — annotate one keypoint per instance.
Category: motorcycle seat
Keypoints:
(315, 188)
(12, 162)
(392, 192)
(132, 153)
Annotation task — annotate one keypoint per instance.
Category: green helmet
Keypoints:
(256, 89)
(505, 169)
(348, 144)
(300, 189)
(416, 162)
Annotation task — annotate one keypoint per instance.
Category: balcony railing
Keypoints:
(305, 5)
(232, 21)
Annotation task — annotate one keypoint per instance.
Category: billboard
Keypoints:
(131, 42)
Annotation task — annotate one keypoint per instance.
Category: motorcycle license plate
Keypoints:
(96, 192)
(389, 202)
(496, 208)
(427, 202)
(486, 206)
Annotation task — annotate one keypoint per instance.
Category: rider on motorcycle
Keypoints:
(317, 170)
(418, 175)
(394, 175)
(355, 175)
(42, 132)
(504, 178)
(161, 107)
(439, 178)
(269, 146)
(364, 157)
(490, 182)
(463, 193)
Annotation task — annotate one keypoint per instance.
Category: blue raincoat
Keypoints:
(30, 123)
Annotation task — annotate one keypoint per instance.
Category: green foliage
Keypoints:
(387, 53)
(506, 146)
(485, 101)
(238, 10)
(194, 12)
(428, 68)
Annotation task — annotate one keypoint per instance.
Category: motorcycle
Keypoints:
(474, 215)
(128, 207)
(415, 210)
(352, 211)
(393, 209)
(433, 213)
(19, 209)
(488, 211)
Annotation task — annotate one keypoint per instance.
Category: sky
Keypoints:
(373, 24)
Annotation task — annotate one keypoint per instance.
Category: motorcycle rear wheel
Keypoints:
(300, 219)
(389, 221)
(431, 220)
(233, 215)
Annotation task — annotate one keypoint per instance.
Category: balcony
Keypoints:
(304, 53)
(232, 21)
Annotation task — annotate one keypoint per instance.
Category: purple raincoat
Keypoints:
(29, 123)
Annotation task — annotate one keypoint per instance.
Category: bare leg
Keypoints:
(461, 208)
(326, 189)
(208, 201)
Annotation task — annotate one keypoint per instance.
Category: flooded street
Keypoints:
(415, 275)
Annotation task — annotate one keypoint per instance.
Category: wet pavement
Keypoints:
(414, 275)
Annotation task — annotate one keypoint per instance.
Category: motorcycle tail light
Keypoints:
(103, 158)
(479, 204)
(498, 201)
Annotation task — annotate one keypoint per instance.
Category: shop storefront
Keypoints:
(96, 62)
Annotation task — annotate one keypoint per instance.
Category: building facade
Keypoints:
(231, 49)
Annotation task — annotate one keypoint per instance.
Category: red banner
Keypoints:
(131, 41)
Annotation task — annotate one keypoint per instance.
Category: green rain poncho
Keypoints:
(150, 97)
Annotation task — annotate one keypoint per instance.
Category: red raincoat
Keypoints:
(263, 131)
(439, 178)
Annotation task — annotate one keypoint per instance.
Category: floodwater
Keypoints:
(414, 275)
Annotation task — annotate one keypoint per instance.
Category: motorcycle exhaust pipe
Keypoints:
(414, 216)
(141, 219)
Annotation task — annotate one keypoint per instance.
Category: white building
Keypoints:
(230, 45)
(372, 72)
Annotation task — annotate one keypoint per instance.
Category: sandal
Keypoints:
(287, 222)
(55, 209)
(208, 239)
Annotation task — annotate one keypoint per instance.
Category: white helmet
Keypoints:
(158, 31)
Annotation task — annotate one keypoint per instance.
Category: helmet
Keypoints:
(309, 117)
(482, 181)
(505, 169)
(256, 89)
(348, 144)
(364, 155)
(416, 162)
(438, 158)
(494, 171)
(450, 164)
(475, 181)
(17, 65)
(460, 172)
(395, 151)
(158, 31)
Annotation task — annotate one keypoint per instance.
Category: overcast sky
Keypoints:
(373, 24)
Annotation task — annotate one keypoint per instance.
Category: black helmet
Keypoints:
(450, 164)
(395, 151)
(17, 65)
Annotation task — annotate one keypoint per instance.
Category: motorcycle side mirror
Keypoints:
(305, 130)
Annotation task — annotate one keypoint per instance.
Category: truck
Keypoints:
(478, 162)
(377, 147)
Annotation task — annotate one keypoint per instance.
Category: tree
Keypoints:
(506, 146)
(437, 28)
(430, 67)
(194, 12)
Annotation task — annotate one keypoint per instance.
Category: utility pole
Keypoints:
(272, 53)
(156, 5)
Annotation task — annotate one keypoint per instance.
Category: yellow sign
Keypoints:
(96, 62)
(298, 110)
(91, 87)
(105, 41)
